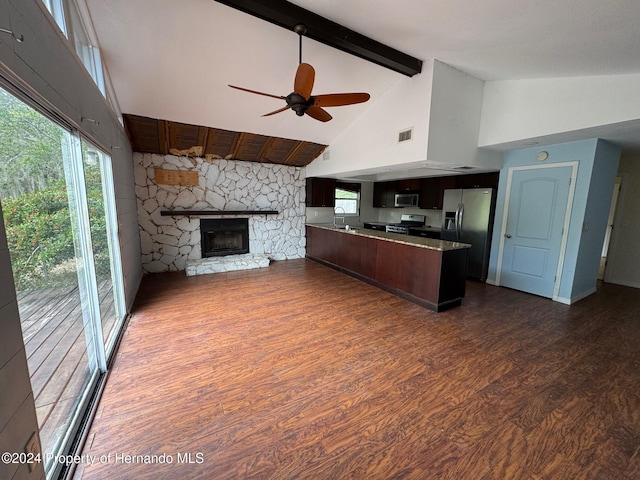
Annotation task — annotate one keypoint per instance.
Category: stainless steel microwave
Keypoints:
(406, 200)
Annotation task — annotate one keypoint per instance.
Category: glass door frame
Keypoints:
(97, 350)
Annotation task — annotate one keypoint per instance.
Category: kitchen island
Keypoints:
(429, 272)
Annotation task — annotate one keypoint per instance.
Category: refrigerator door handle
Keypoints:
(460, 219)
(455, 220)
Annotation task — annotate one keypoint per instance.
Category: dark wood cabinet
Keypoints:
(409, 185)
(381, 227)
(321, 192)
(478, 180)
(431, 277)
(432, 191)
(384, 194)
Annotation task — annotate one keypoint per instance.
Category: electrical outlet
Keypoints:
(33, 448)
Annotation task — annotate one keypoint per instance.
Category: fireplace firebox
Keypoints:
(224, 236)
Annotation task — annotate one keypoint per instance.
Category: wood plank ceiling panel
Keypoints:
(278, 150)
(250, 146)
(148, 135)
(305, 154)
(221, 143)
(143, 133)
(183, 136)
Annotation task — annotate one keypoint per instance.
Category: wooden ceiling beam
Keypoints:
(287, 15)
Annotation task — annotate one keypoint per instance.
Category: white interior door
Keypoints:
(534, 228)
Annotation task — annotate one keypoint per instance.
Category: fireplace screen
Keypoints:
(228, 236)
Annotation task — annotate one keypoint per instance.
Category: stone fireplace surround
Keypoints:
(169, 242)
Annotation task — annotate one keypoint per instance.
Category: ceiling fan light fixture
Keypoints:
(301, 101)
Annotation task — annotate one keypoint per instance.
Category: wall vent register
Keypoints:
(405, 135)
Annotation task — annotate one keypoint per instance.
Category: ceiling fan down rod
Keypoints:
(300, 29)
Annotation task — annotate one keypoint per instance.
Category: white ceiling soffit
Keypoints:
(173, 60)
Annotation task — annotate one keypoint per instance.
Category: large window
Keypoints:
(58, 204)
(73, 19)
(87, 50)
(57, 12)
(347, 198)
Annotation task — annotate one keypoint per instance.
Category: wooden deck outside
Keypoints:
(52, 328)
(299, 372)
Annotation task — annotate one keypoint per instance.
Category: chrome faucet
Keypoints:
(338, 216)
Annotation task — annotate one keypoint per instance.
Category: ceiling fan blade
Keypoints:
(318, 113)
(303, 84)
(339, 99)
(280, 97)
(277, 111)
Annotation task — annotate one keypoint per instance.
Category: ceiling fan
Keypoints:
(301, 101)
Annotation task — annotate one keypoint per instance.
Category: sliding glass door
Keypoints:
(59, 212)
(98, 179)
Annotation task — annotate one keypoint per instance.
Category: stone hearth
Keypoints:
(229, 263)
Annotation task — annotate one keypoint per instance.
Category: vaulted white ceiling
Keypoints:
(173, 59)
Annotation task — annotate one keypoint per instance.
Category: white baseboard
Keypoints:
(576, 298)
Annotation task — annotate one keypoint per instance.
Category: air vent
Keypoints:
(405, 135)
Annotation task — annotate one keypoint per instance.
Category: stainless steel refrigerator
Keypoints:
(467, 216)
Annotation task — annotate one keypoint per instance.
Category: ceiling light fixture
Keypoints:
(301, 101)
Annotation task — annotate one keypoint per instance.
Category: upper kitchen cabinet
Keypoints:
(432, 191)
(321, 192)
(409, 185)
(384, 194)
(477, 180)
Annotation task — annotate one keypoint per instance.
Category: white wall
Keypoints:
(519, 109)
(623, 261)
(442, 104)
(454, 120)
(372, 139)
(45, 67)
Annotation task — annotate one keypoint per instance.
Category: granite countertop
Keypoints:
(431, 243)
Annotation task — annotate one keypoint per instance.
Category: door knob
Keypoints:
(507, 235)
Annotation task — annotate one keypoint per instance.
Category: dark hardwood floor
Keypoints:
(297, 371)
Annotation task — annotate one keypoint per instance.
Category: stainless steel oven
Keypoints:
(406, 221)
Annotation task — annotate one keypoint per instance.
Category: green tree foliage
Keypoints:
(39, 235)
(35, 202)
(30, 149)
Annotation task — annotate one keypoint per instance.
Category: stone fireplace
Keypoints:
(224, 236)
(170, 242)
